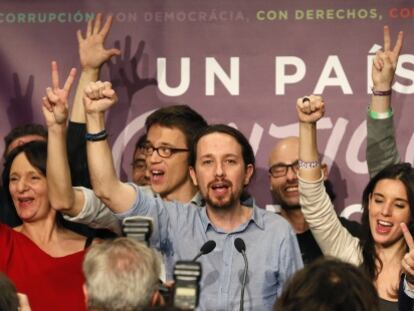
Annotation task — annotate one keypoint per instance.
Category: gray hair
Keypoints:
(120, 275)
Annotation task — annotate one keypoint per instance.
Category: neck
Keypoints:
(184, 193)
(296, 219)
(230, 218)
(393, 253)
(42, 231)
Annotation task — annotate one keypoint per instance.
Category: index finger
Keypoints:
(387, 39)
(407, 236)
(55, 75)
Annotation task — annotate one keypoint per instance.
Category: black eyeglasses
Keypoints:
(163, 151)
(139, 164)
(280, 170)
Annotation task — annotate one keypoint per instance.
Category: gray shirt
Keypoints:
(271, 248)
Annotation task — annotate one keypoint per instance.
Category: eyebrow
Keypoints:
(284, 163)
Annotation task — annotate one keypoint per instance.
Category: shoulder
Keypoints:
(272, 221)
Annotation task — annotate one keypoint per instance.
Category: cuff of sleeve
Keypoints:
(82, 213)
(310, 182)
(407, 290)
(131, 210)
(380, 115)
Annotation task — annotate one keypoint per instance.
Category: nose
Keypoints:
(154, 157)
(21, 185)
(220, 170)
(291, 174)
(386, 209)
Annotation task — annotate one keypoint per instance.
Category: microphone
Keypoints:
(205, 249)
(241, 248)
(187, 275)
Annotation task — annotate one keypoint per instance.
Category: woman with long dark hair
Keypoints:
(388, 206)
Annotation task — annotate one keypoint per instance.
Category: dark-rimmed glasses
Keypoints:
(163, 151)
(280, 170)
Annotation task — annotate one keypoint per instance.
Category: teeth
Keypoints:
(216, 186)
(25, 199)
(157, 172)
(291, 189)
(385, 223)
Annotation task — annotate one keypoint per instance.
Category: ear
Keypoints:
(249, 173)
(193, 176)
(325, 170)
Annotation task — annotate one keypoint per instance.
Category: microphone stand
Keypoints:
(246, 267)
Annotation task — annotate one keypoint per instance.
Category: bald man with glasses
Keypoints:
(283, 179)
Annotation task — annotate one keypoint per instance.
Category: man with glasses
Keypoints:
(170, 133)
(283, 178)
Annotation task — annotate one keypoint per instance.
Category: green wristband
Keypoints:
(380, 115)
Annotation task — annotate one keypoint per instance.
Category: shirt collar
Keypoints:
(256, 218)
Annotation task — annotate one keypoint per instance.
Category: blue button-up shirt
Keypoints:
(271, 249)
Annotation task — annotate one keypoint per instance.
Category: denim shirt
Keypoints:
(271, 249)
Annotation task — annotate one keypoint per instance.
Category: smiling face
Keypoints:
(168, 176)
(285, 189)
(28, 189)
(388, 207)
(220, 171)
(140, 176)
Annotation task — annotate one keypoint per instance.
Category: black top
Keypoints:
(309, 247)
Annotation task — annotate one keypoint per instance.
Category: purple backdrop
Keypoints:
(241, 62)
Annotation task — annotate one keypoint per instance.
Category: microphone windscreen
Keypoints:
(239, 245)
(207, 247)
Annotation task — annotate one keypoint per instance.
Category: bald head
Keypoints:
(286, 151)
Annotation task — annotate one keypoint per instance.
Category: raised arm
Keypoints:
(118, 196)
(55, 110)
(332, 237)
(310, 109)
(381, 145)
(93, 55)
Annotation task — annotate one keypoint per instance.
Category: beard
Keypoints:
(221, 204)
(284, 203)
(287, 207)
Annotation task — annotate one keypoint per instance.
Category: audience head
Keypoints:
(23, 134)
(171, 131)
(328, 285)
(121, 274)
(283, 169)
(221, 164)
(140, 176)
(387, 201)
(8, 296)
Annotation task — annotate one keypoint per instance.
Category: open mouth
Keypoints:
(220, 187)
(292, 189)
(384, 226)
(156, 175)
(26, 201)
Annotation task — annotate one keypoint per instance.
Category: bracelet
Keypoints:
(311, 164)
(102, 135)
(381, 93)
(380, 115)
